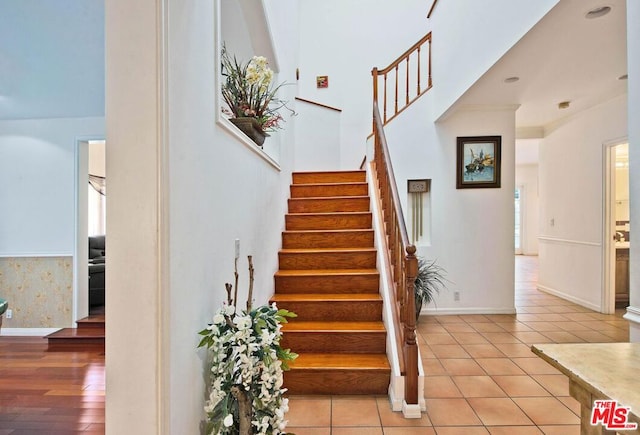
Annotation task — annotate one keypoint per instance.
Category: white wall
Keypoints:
(470, 36)
(571, 172)
(471, 229)
(527, 176)
(633, 69)
(345, 40)
(317, 144)
(198, 188)
(37, 184)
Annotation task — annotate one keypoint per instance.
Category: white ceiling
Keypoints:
(565, 57)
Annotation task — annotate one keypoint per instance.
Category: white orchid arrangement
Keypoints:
(246, 395)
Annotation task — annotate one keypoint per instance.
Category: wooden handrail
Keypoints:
(402, 259)
(433, 6)
(315, 103)
(420, 77)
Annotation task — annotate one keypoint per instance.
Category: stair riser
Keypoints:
(319, 190)
(334, 341)
(75, 345)
(335, 382)
(324, 240)
(328, 222)
(334, 311)
(329, 205)
(327, 284)
(329, 177)
(327, 260)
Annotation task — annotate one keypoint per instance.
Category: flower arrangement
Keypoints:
(247, 363)
(248, 91)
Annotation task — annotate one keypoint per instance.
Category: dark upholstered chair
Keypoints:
(96, 270)
(3, 307)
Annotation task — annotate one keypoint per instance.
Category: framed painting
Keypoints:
(478, 162)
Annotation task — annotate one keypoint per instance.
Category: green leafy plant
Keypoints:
(248, 91)
(430, 280)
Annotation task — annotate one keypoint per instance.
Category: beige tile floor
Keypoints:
(481, 377)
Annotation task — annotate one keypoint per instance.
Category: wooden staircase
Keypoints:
(328, 277)
(89, 335)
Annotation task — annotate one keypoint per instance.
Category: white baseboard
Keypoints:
(27, 332)
(462, 311)
(570, 298)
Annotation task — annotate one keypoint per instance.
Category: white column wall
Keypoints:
(136, 331)
(185, 189)
(633, 69)
(571, 169)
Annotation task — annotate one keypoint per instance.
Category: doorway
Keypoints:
(616, 227)
(90, 215)
(518, 207)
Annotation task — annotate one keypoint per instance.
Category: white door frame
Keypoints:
(609, 223)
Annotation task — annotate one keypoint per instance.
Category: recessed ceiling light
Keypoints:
(511, 79)
(563, 104)
(623, 77)
(598, 12)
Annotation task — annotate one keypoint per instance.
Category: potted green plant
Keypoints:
(245, 392)
(430, 280)
(250, 96)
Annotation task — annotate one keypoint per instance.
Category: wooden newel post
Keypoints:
(410, 345)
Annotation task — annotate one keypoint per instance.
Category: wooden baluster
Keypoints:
(396, 97)
(429, 78)
(407, 85)
(385, 98)
(419, 75)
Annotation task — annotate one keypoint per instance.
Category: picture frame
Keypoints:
(478, 162)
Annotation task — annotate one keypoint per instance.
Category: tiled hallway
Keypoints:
(481, 377)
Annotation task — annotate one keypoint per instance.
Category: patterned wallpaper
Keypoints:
(39, 291)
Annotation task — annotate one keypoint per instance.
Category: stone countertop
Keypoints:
(607, 370)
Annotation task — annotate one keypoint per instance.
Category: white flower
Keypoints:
(242, 322)
(228, 420)
(218, 319)
(229, 310)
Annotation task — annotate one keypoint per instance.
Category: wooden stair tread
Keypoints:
(306, 177)
(328, 198)
(341, 361)
(333, 326)
(336, 231)
(356, 297)
(77, 333)
(324, 250)
(329, 213)
(335, 183)
(311, 272)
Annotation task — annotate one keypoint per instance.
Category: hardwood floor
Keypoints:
(52, 393)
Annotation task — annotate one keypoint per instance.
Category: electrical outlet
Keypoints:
(9, 314)
(456, 296)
